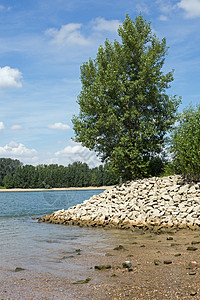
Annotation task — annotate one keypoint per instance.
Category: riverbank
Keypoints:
(152, 203)
(162, 267)
(58, 189)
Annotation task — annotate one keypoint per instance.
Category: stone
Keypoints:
(127, 264)
(102, 267)
(190, 248)
(192, 273)
(195, 242)
(166, 197)
(183, 189)
(18, 269)
(174, 244)
(157, 262)
(82, 281)
(167, 262)
(193, 293)
(109, 254)
(192, 264)
(120, 247)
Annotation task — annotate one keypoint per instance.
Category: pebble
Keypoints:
(192, 264)
(127, 264)
(167, 262)
(192, 273)
(191, 248)
(157, 262)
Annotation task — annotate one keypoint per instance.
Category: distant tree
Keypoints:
(97, 176)
(8, 181)
(41, 176)
(8, 165)
(80, 174)
(186, 144)
(125, 111)
(18, 178)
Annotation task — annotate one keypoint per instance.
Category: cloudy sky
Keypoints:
(42, 46)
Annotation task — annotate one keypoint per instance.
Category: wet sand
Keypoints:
(175, 280)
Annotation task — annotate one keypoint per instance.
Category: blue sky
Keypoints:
(43, 43)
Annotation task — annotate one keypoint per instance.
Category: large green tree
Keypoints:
(125, 111)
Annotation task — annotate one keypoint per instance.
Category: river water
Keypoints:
(39, 246)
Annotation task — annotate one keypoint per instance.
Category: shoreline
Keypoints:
(175, 271)
(57, 189)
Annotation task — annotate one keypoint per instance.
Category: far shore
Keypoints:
(58, 189)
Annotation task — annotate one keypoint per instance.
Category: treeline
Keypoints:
(13, 174)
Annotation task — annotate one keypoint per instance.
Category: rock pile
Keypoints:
(152, 203)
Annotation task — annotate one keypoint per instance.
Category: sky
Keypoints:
(43, 43)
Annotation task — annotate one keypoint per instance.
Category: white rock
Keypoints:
(165, 200)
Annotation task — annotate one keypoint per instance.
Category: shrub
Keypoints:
(185, 144)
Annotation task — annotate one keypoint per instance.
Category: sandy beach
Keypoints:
(58, 189)
(163, 267)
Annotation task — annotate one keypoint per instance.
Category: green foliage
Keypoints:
(186, 144)
(124, 109)
(156, 166)
(169, 169)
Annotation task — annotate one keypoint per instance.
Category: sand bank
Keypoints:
(58, 189)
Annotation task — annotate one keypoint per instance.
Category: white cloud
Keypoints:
(10, 77)
(165, 6)
(71, 34)
(191, 7)
(65, 156)
(71, 154)
(16, 127)
(2, 127)
(68, 34)
(163, 18)
(100, 24)
(19, 151)
(59, 126)
(2, 7)
(142, 8)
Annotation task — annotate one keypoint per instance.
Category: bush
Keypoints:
(185, 144)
